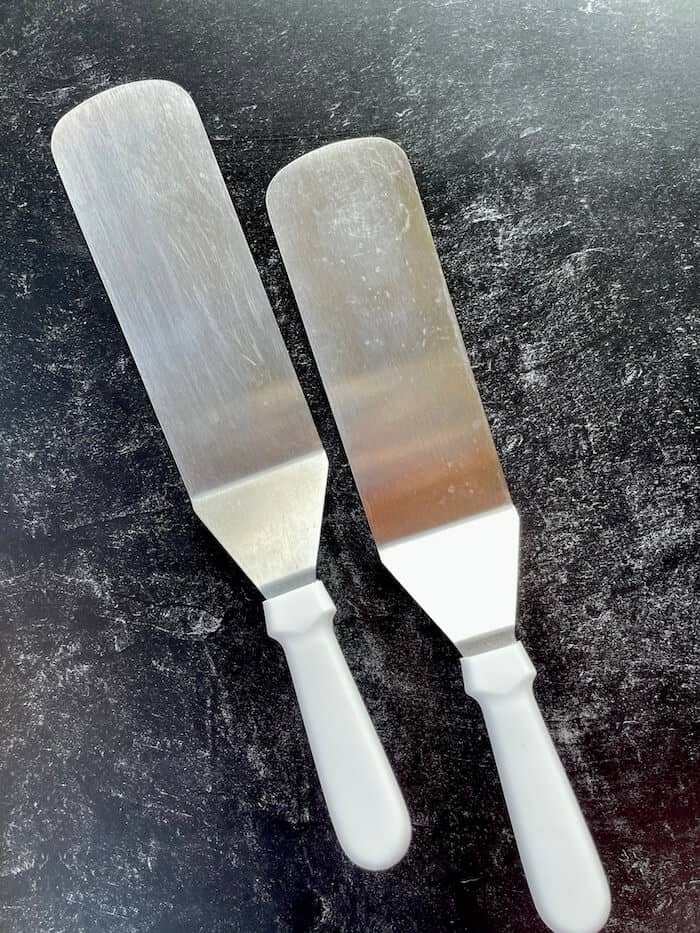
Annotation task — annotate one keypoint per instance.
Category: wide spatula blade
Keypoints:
(150, 199)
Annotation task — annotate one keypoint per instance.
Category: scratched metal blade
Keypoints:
(370, 289)
(156, 215)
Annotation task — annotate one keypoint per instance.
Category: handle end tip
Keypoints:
(383, 847)
(588, 917)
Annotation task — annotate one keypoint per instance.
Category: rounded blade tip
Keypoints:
(339, 150)
(160, 89)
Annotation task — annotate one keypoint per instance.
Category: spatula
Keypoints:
(156, 215)
(361, 260)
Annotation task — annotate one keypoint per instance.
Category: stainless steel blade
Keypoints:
(156, 215)
(359, 254)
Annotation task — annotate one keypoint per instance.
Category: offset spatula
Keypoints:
(154, 209)
(369, 285)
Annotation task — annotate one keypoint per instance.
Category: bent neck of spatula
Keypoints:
(270, 522)
(465, 576)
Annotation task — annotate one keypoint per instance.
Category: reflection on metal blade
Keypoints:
(358, 250)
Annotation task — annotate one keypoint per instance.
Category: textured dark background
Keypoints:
(153, 770)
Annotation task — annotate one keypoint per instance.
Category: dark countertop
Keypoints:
(154, 774)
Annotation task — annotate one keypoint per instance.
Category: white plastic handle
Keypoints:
(364, 801)
(562, 867)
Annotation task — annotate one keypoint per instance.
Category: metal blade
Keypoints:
(156, 215)
(358, 250)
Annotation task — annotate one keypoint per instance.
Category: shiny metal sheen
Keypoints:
(368, 282)
(150, 199)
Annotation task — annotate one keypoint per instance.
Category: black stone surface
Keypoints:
(154, 776)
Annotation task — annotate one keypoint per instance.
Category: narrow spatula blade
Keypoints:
(153, 207)
(370, 289)
(358, 249)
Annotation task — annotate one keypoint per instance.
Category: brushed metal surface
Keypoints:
(369, 285)
(155, 212)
